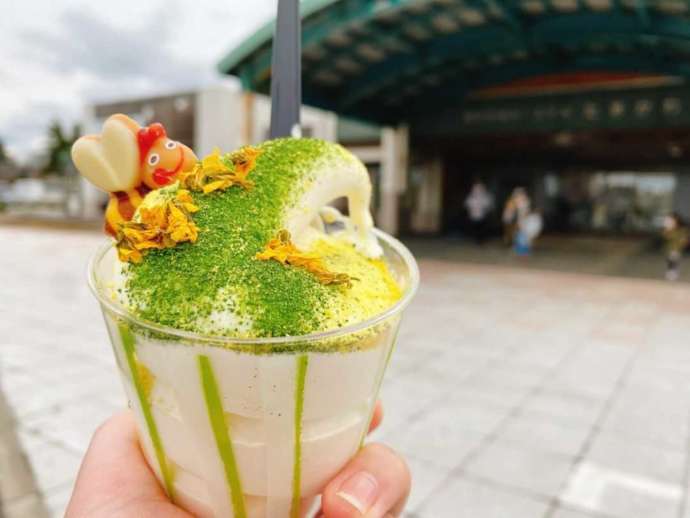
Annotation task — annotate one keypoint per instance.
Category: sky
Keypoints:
(57, 57)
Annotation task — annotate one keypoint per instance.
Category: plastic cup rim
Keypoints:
(398, 307)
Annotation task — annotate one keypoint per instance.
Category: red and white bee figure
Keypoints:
(129, 161)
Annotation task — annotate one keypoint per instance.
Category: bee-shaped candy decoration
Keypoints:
(129, 161)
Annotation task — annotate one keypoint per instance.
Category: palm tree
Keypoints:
(59, 145)
(3, 153)
(8, 169)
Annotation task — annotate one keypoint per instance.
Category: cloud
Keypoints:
(88, 45)
(27, 131)
(65, 56)
(91, 59)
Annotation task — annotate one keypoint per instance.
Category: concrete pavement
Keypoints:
(513, 393)
(18, 491)
(618, 256)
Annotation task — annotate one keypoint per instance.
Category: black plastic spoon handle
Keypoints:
(286, 70)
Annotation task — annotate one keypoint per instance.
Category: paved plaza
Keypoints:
(514, 393)
(617, 256)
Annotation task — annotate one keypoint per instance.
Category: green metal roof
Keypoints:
(264, 36)
(397, 60)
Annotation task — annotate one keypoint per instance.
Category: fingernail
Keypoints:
(360, 491)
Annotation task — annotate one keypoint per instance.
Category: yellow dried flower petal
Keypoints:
(145, 245)
(213, 162)
(163, 225)
(184, 196)
(129, 255)
(152, 216)
(214, 186)
(282, 249)
(213, 173)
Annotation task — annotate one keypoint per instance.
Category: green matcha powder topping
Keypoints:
(183, 286)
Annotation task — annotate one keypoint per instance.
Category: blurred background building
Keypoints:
(584, 103)
(226, 117)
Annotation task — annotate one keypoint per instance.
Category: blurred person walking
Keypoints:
(677, 236)
(517, 206)
(479, 204)
(529, 228)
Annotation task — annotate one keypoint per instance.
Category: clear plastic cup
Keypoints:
(251, 427)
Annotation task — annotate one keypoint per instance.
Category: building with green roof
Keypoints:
(561, 96)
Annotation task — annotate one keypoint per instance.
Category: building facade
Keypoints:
(226, 117)
(584, 102)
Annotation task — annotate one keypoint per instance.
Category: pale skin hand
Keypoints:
(115, 482)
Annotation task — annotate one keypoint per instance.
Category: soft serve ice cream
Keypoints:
(252, 323)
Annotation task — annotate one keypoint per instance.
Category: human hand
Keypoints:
(116, 482)
(374, 484)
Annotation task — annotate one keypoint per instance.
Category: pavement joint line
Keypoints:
(449, 251)
(67, 401)
(492, 436)
(510, 489)
(507, 488)
(419, 414)
(564, 421)
(686, 474)
(417, 365)
(585, 512)
(426, 358)
(562, 311)
(57, 488)
(644, 441)
(502, 486)
(51, 441)
(515, 412)
(634, 439)
(595, 429)
(18, 470)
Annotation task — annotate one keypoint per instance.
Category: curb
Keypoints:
(19, 494)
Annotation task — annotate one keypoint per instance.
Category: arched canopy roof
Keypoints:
(398, 60)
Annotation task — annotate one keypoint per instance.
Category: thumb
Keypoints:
(374, 484)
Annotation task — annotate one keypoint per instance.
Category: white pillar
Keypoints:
(394, 164)
(92, 200)
(330, 127)
(426, 215)
(218, 118)
(681, 196)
